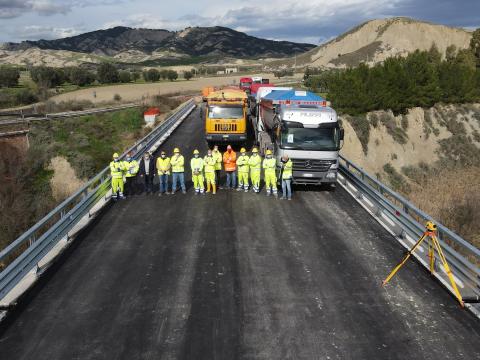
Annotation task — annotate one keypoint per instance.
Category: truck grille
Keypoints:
(312, 165)
(225, 127)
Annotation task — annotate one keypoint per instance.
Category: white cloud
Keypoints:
(46, 32)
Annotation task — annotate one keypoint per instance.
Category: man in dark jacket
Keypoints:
(147, 172)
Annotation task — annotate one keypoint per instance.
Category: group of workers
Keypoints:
(205, 172)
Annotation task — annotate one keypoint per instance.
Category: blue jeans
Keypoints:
(287, 188)
(181, 178)
(231, 178)
(163, 183)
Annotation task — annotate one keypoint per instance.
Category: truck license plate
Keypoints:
(225, 136)
(307, 175)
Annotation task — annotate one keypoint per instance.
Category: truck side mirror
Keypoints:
(342, 133)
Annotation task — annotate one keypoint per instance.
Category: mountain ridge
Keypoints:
(193, 41)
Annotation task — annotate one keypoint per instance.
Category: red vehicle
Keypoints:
(245, 83)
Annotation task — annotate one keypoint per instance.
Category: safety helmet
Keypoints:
(268, 152)
(196, 152)
(242, 150)
(255, 150)
(176, 150)
(115, 155)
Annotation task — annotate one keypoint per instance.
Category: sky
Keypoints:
(311, 21)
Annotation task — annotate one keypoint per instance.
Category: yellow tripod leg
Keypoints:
(431, 256)
(447, 269)
(404, 260)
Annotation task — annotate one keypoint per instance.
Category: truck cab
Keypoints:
(311, 136)
(301, 125)
(226, 116)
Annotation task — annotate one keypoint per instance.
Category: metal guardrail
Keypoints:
(25, 252)
(63, 115)
(407, 222)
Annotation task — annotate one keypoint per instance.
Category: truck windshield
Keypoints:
(245, 84)
(326, 139)
(225, 112)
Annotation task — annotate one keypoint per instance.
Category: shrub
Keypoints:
(107, 73)
(26, 96)
(117, 97)
(47, 77)
(124, 76)
(9, 76)
(361, 126)
(395, 179)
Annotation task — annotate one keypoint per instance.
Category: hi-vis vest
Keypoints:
(218, 159)
(116, 169)
(131, 168)
(287, 170)
(242, 163)
(270, 165)
(177, 163)
(210, 163)
(197, 165)
(163, 166)
(255, 163)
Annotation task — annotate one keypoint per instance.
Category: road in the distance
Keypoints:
(237, 276)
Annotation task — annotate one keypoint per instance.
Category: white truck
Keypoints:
(301, 125)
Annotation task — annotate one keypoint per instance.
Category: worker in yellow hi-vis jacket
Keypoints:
(210, 162)
(243, 169)
(270, 166)
(197, 166)
(255, 164)
(117, 169)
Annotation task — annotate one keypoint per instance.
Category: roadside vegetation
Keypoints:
(87, 143)
(447, 188)
(21, 86)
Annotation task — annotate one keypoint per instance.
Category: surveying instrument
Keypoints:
(434, 244)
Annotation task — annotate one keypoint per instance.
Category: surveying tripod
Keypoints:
(434, 244)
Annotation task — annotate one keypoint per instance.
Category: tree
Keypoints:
(47, 77)
(9, 76)
(164, 74)
(136, 75)
(107, 73)
(475, 45)
(151, 75)
(172, 75)
(187, 75)
(451, 52)
(124, 76)
(79, 76)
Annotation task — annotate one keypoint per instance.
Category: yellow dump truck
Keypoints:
(226, 116)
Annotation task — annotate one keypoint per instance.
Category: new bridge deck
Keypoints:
(236, 276)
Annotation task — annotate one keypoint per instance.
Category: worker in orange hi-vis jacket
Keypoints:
(230, 166)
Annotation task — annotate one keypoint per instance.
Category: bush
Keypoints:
(47, 77)
(26, 96)
(172, 75)
(124, 76)
(187, 75)
(107, 74)
(9, 76)
(117, 97)
(151, 75)
(361, 126)
(395, 179)
(79, 76)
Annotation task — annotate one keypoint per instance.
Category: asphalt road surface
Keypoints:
(236, 276)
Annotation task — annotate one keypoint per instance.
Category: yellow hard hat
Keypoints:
(196, 152)
(268, 152)
(115, 155)
(242, 150)
(176, 150)
(255, 150)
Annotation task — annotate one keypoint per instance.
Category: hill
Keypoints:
(376, 40)
(136, 45)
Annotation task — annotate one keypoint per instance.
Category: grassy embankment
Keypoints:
(86, 142)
